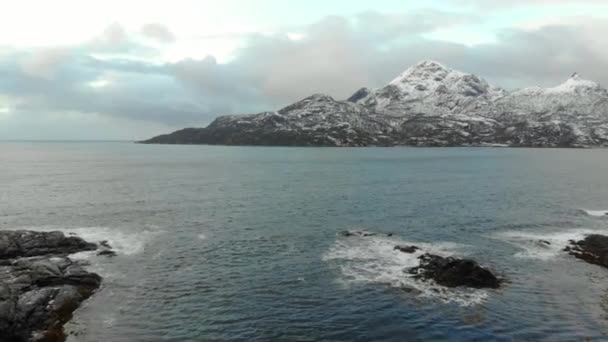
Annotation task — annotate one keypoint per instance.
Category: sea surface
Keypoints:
(241, 243)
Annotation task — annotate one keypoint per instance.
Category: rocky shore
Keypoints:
(593, 249)
(40, 287)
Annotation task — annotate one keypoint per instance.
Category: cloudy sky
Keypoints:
(110, 69)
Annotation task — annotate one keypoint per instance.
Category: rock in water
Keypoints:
(593, 249)
(350, 233)
(454, 272)
(407, 249)
(40, 286)
(107, 252)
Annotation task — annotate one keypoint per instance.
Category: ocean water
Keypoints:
(241, 244)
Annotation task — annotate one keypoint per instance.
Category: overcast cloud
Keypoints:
(119, 85)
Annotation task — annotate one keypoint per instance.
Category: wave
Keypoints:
(372, 259)
(542, 245)
(596, 213)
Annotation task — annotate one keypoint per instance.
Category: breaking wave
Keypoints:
(596, 213)
(542, 245)
(372, 259)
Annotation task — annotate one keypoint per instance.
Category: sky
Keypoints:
(130, 69)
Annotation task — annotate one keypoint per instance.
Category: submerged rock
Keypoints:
(41, 287)
(105, 244)
(349, 233)
(454, 272)
(593, 249)
(363, 233)
(107, 252)
(407, 249)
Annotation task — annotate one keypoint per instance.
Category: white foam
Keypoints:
(202, 236)
(597, 213)
(373, 259)
(532, 245)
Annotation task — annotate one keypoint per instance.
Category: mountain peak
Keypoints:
(319, 97)
(426, 69)
(430, 78)
(430, 65)
(575, 84)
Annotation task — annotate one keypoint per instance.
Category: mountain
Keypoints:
(427, 105)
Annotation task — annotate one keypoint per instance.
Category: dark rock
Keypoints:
(544, 242)
(362, 233)
(593, 249)
(454, 272)
(407, 249)
(20, 243)
(39, 293)
(349, 233)
(105, 244)
(107, 252)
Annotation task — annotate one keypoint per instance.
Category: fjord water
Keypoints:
(240, 243)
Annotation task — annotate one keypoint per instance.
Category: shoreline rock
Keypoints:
(593, 249)
(41, 287)
(23, 243)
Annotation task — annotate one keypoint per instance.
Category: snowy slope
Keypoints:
(430, 88)
(427, 105)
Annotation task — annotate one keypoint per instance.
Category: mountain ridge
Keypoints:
(429, 104)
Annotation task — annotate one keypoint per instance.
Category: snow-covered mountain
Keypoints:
(430, 88)
(427, 105)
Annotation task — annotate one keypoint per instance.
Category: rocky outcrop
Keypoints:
(427, 105)
(454, 272)
(40, 286)
(15, 244)
(593, 249)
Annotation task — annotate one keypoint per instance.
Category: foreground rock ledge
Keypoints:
(593, 249)
(40, 287)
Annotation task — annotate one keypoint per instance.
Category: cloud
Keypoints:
(83, 84)
(338, 55)
(509, 3)
(158, 32)
(113, 36)
(116, 76)
(115, 41)
(44, 62)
